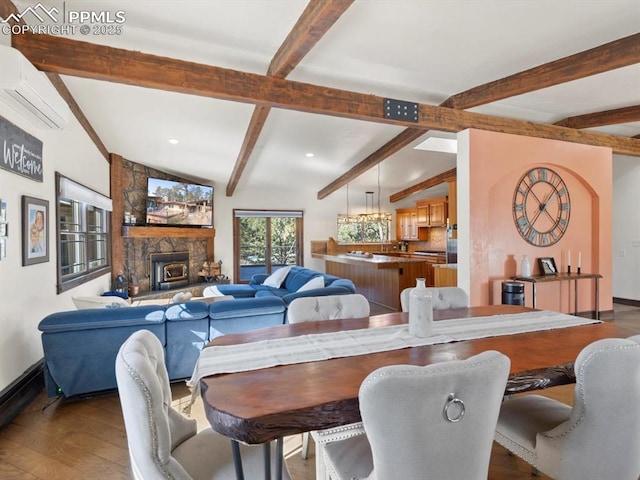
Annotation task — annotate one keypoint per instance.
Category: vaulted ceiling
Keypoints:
(249, 87)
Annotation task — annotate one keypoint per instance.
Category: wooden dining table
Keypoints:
(258, 406)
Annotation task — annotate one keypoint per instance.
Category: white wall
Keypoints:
(27, 294)
(626, 227)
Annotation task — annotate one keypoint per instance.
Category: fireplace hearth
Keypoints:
(169, 270)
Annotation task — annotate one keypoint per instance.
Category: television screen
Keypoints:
(179, 203)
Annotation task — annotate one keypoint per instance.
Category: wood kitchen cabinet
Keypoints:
(430, 261)
(407, 225)
(432, 212)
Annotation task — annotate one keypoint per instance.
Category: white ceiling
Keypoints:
(415, 50)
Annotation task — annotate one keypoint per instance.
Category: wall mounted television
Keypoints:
(184, 204)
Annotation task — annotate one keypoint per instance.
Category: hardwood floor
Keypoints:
(85, 439)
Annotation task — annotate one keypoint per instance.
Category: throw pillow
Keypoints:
(181, 297)
(83, 303)
(315, 282)
(276, 278)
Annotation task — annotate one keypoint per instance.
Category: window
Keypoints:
(82, 233)
(370, 228)
(265, 241)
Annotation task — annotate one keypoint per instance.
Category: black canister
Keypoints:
(513, 293)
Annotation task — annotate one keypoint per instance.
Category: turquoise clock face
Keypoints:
(541, 207)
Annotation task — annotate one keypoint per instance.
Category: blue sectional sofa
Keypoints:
(80, 346)
(288, 291)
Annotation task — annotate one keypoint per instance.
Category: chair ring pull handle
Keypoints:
(453, 400)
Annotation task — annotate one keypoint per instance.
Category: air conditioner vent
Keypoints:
(28, 91)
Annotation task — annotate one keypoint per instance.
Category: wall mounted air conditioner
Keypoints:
(28, 91)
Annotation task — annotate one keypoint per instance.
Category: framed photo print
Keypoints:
(547, 266)
(35, 230)
(4, 227)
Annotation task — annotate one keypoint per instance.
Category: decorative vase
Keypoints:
(525, 266)
(420, 310)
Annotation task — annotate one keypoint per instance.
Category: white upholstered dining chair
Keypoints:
(436, 421)
(443, 298)
(597, 438)
(162, 442)
(329, 307)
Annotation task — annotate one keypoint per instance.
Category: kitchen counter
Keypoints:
(377, 261)
(380, 278)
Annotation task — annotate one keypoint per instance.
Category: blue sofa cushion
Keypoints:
(272, 292)
(245, 314)
(344, 283)
(329, 279)
(192, 310)
(237, 290)
(187, 333)
(297, 277)
(314, 292)
(94, 318)
(245, 307)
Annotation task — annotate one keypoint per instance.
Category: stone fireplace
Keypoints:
(133, 245)
(169, 270)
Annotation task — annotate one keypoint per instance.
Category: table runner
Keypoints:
(323, 346)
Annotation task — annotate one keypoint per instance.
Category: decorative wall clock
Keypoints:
(541, 207)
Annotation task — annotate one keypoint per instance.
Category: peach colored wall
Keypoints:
(496, 163)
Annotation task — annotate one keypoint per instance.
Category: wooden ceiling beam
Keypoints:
(316, 19)
(598, 119)
(258, 119)
(397, 143)
(78, 113)
(617, 54)
(418, 187)
(82, 59)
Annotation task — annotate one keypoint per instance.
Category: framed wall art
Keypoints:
(35, 230)
(4, 229)
(547, 266)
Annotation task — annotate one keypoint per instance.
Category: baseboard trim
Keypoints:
(626, 301)
(17, 396)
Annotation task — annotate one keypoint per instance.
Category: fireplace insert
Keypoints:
(169, 270)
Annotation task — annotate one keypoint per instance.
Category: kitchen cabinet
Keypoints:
(406, 224)
(432, 212)
(446, 275)
(430, 280)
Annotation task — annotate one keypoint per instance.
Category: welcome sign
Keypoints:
(21, 152)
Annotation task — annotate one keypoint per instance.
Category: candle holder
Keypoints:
(579, 270)
(568, 268)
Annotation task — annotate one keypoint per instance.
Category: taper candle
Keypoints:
(579, 259)
(568, 258)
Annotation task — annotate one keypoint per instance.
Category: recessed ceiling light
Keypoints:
(173, 141)
(309, 155)
(436, 144)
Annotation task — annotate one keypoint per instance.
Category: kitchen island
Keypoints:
(379, 277)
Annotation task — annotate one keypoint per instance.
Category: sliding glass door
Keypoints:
(265, 240)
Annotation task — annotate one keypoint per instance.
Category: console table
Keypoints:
(560, 277)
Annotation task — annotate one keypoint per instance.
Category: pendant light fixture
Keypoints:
(348, 218)
(377, 216)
